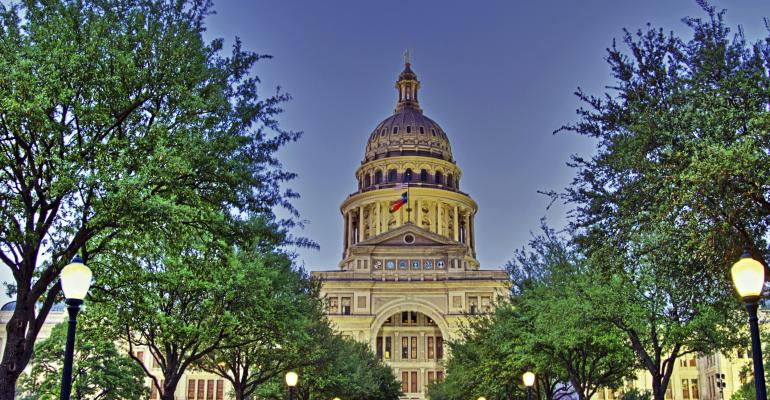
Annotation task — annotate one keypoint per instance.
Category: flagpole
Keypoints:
(408, 202)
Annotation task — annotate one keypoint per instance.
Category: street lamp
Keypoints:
(529, 381)
(291, 381)
(481, 398)
(749, 277)
(75, 281)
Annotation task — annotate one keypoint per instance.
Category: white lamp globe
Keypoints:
(529, 379)
(75, 279)
(749, 277)
(291, 378)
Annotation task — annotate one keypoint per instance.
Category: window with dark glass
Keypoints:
(423, 175)
(450, 180)
(404, 347)
(210, 389)
(379, 347)
(201, 388)
(408, 129)
(431, 377)
(405, 381)
(395, 129)
(414, 381)
(367, 180)
(431, 348)
(439, 178)
(408, 175)
(392, 175)
(439, 347)
(345, 306)
(388, 347)
(422, 130)
(191, 389)
(378, 177)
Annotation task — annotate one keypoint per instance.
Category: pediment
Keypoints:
(401, 236)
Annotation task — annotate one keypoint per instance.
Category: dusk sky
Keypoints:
(498, 76)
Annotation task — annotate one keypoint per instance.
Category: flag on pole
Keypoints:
(394, 206)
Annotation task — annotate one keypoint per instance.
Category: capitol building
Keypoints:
(409, 277)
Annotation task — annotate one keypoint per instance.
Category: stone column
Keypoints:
(417, 213)
(378, 218)
(360, 223)
(349, 218)
(472, 234)
(456, 225)
(439, 227)
(467, 227)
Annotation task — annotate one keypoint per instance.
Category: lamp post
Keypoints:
(749, 277)
(75, 281)
(291, 381)
(529, 381)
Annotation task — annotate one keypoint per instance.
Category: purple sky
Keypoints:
(498, 76)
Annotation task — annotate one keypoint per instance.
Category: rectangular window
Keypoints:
(439, 347)
(220, 389)
(486, 304)
(404, 347)
(405, 382)
(685, 389)
(346, 306)
(388, 347)
(473, 304)
(332, 308)
(153, 392)
(431, 377)
(361, 301)
(669, 391)
(694, 388)
(414, 381)
(201, 389)
(413, 318)
(414, 347)
(191, 389)
(693, 363)
(379, 347)
(405, 317)
(439, 376)
(431, 348)
(210, 389)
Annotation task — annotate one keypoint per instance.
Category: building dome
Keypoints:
(408, 132)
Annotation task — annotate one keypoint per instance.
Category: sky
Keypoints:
(498, 76)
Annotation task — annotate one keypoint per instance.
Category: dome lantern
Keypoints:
(407, 86)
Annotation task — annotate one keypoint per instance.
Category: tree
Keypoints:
(117, 120)
(279, 327)
(677, 187)
(100, 371)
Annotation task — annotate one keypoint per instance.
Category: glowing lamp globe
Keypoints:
(529, 379)
(75, 279)
(336, 398)
(292, 378)
(749, 277)
(482, 398)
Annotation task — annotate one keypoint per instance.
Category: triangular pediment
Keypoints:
(401, 237)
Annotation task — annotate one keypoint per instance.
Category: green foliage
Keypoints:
(635, 394)
(281, 323)
(99, 370)
(677, 186)
(120, 124)
(338, 367)
(745, 392)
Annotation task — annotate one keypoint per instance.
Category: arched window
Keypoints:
(367, 181)
(422, 130)
(424, 175)
(395, 129)
(392, 175)
(408, 175)
(439, 178)
(408, 129)
(450, 181)
(378, 177)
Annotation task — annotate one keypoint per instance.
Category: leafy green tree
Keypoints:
(118, 121)
(678, 185)
(276, 332)
(100, 371)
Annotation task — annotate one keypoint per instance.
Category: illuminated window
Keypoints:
(387, 347)
(414, 347)
(685, 389)
(694, 388)
(431, 347)
(346, 306)
(404, 347)
(333, 305)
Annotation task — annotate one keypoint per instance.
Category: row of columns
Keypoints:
(355, 220)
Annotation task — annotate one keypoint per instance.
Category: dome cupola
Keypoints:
(408, 132)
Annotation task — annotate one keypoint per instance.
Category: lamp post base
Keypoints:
(756, 351)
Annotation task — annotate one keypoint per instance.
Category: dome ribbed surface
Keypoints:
(408, 132)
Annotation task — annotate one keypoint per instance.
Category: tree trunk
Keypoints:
(16, 354)
(240, 393)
